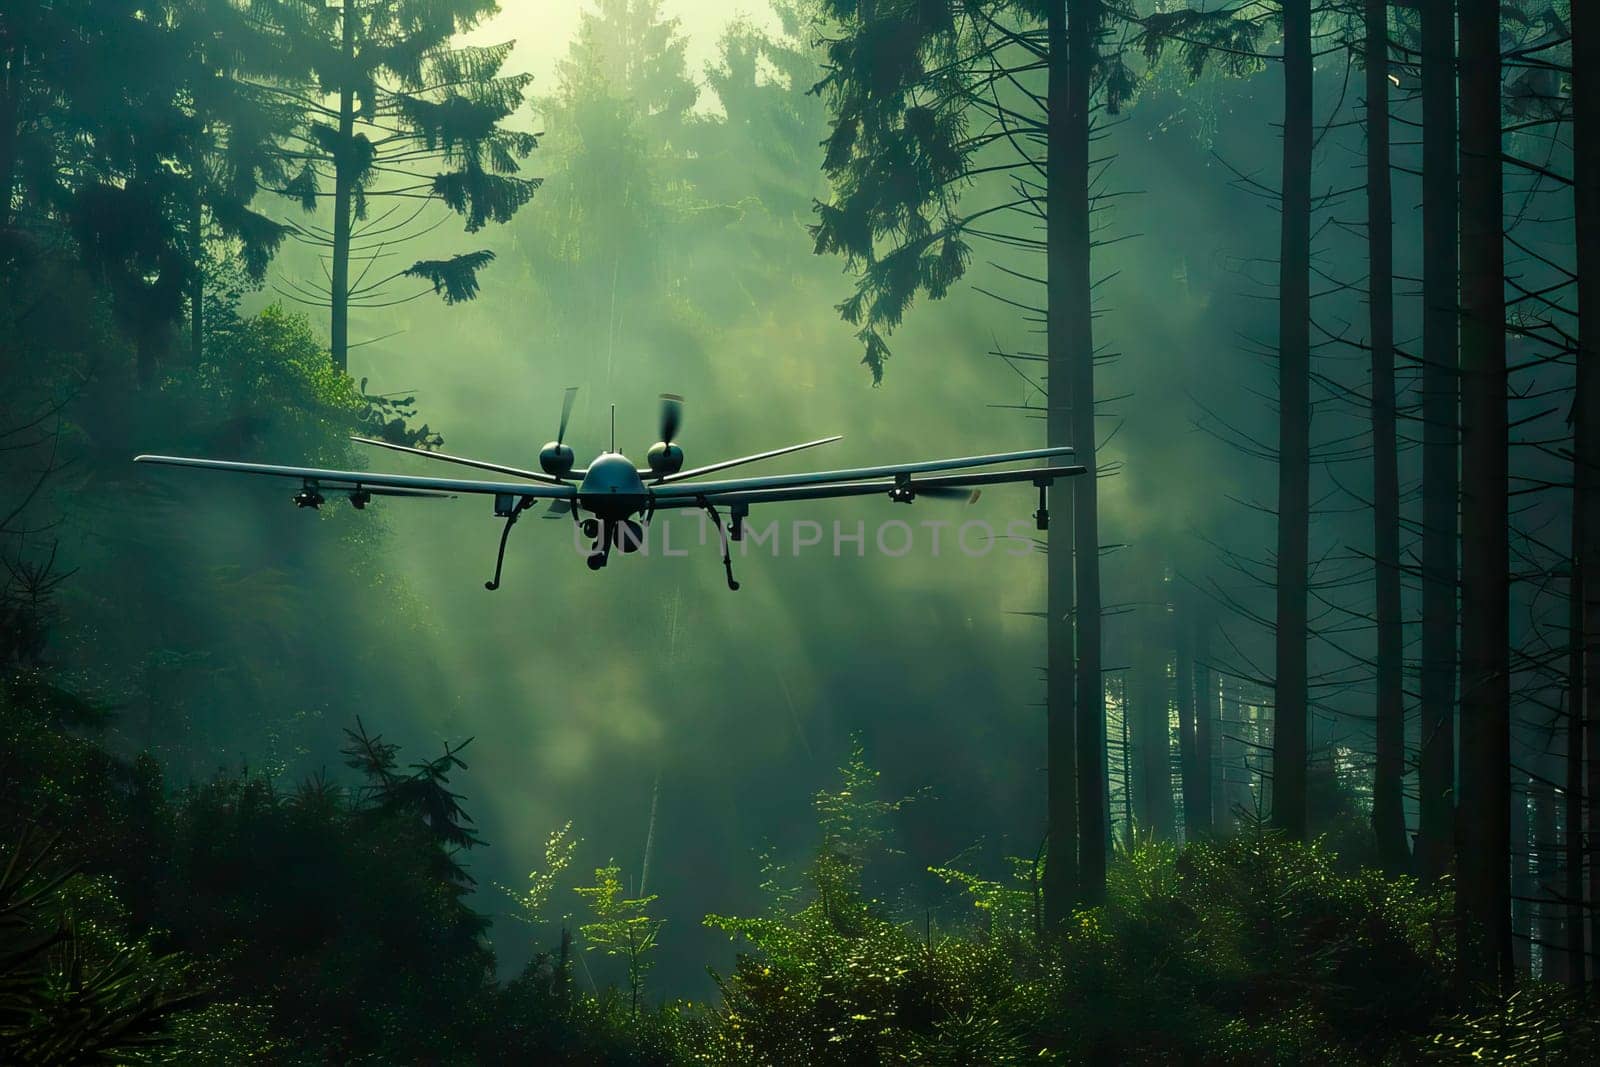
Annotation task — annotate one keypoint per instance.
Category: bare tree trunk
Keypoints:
(1290, 717)
(1188, 748)
(1388, 782)
(197, 256)
(343, 189)
(1205, 723)
(1436, 770)
(1090, 696)
(1061, 749)
(1572, 808)
(1523, 875)
(1125, 756)
(1483, 837)
(1236, 755)
(1547, 850)
(1586, 405)
(1152, 712)
(13, 72)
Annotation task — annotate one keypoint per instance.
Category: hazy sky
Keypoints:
(543, 28)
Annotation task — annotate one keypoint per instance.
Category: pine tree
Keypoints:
(909, 88)
(1586, 420)
(1290, 714)
(1483, 905)
(1229, 37)
(238, 130)
(1388, 795)
(618, 127)
(393, 101)
(1436, 763)
(99, 118)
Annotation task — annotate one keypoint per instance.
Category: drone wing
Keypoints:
(835, 482)
(1037, 475)
(398, 484)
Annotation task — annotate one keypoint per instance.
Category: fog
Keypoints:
(599, 698)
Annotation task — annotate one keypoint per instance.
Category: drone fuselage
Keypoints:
(612, 489)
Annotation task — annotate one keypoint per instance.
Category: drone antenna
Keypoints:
(613, 427)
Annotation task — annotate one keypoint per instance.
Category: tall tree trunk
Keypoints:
(1205, 724)
(1090, 695)
(343, 188)
(197, 256)
(1547, 850)
(1524, 875)
(1061, 750)
(1586, 405)
(1388, 794)
(1483, 836)
(1152, 712)
(1290, 716)
(1127, 767)
(13, 69)
(1572, 807)
(1234, 772)
(1188, 750)
(1436, 765)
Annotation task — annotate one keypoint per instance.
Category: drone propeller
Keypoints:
(566, 413)
(671, 416)
(556, 458)
(664, 457)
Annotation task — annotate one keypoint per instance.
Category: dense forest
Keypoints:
(1280, 745)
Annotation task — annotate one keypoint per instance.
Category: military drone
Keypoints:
(612, 499)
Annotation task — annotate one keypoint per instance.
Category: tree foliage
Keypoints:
(387, 95)
(622, 926)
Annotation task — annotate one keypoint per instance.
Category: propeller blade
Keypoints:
(566, 412)
(671, 416)
(558, 508)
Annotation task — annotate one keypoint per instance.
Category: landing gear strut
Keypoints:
(500, 557)
(722, 536)
(607, 534)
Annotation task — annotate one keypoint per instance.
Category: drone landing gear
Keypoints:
(722, 536)
(606, 533)
(500, 557)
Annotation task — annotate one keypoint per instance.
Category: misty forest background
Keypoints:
(1280, 743)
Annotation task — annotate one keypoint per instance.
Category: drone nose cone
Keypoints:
(612, 487)
(613, 467)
